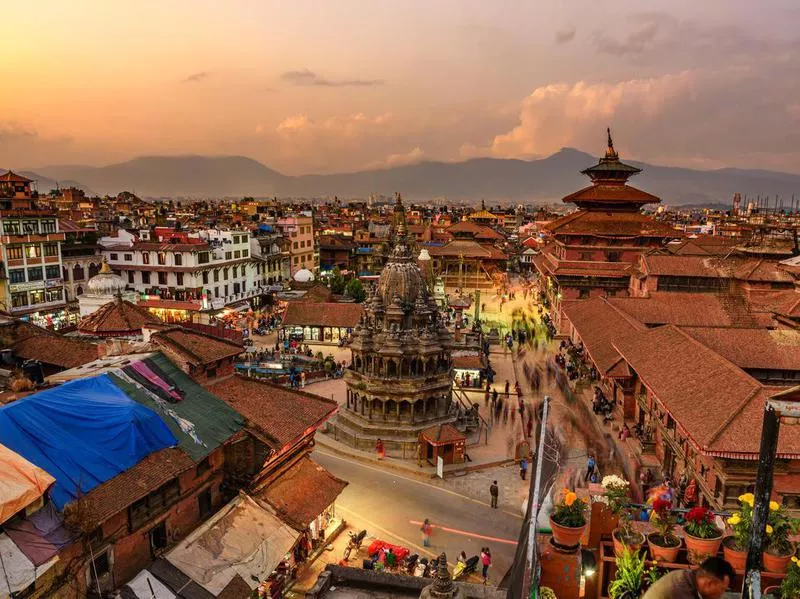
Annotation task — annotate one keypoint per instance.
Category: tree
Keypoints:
(355, 289)
(337, 282)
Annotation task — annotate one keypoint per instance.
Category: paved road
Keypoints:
(388, 505)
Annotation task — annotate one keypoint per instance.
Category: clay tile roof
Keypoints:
(116, 494)
(598, 323)
(612, 194)
(302, 493)
(683, 266)
(14, 178)
(717, 404)
(117, 318)
(752, 348)
(197, 347)
(442, 433)
(282, 414)
(317, 293)
(598, 222)
(468, 249)
(300, 313)
(760, 270)
(685, 309)
(469, 362)
(477, 231)
(58, 351)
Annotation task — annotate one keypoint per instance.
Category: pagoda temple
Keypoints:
(399, 382)
(590, 251)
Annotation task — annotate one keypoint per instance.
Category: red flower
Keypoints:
(700, 514)
(662, 505)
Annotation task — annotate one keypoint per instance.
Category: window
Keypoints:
(30, 226)
(52, 272)
(17, 275)
(14, 252)
(612, 256)
(36, 297)
(179, 278)
(11, 227)
(33, 250)
(235, 271)
(128, 257)
(295, 245)
(158, 537)
(225, 275)
(202, 258)
(162, 258)
(237, 254)
(216, 276)
(145, 257)
(162, 278)
(48, 226)
(226, 290)
(178, 260)
(205, 277)
(236, 287)
(204, 501)
(146, 278)
(101, 565)
(36, 274)
(18, 300)
(130, 277)
(54, 295)
(114, 257)
(245, 253)
(151, 506)
(216, 291)
(51, 249)
(228, 255)
(203, 466)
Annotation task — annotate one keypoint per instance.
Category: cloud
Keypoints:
(22, 146)
(642, 38)
(565, 35)
(402, 159)
(349, 126)
(195, 77)
(305, 77)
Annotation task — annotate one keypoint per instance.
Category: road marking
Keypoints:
(403, 541)
(413, 480)
(467, 533)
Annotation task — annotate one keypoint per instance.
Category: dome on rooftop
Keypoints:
(106, 283)
(304, 276)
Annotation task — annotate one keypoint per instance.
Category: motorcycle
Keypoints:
(421, 567)
(354, 543)
(464, 568)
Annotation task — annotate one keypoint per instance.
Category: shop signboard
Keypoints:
(29, 286)
(49, 283)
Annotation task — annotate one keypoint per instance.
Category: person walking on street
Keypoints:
(486, 560)
(523, 468)
(426, 533)
(590, 466)
(380, 449)
(494, 491)
(508, 386)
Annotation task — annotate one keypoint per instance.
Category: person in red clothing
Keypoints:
(379, 449)
(486, 560)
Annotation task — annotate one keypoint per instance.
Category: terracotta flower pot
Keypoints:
(567, 536)
(634, 543)
(736, 558)
(776, 563)
(697, 549)
(661, 552)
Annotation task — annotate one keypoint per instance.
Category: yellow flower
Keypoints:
(734, 520)
(794, 559)
(769, 529)
(747, 498)
(774, 506)
(569, 498)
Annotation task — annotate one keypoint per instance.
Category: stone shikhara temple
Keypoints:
(400, 380)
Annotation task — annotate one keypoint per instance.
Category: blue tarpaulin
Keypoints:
(83, 433)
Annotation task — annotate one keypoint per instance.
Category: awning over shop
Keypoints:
(241, 539)
(17, 572)
(302, 493)
(21, 483)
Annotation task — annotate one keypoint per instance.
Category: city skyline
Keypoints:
(313, 88)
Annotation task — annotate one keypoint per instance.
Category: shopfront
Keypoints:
(324, 322)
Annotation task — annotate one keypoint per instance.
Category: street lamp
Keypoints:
(774, 411)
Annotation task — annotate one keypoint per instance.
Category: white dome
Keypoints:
(105, 282)
(304, 276)
(424, 255)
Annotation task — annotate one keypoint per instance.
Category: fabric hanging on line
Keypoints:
(161, 373)
(142, 368)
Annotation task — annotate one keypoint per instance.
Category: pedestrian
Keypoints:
(426, 533)
(590, 466)
(529, 427)
(486, 560)
(508, 386)
(494, 396)
(494, 491)
(523, 468)
(303, 379)
(379, 449)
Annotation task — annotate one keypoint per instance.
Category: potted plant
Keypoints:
(547, 593)
(568, 520)
(734, 546)
(616, 495)
(633, 576)
(664, 545)
(779, 549)
(702, 535)
(790, 586)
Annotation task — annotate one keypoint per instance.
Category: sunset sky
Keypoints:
(330, 85)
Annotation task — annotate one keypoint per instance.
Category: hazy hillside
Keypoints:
(493, 179)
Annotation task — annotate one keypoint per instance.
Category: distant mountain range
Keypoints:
(494, 179)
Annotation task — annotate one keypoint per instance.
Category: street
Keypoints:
(391, 507)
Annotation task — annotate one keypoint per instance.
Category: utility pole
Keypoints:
(531, 576)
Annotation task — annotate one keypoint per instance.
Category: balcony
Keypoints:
(38, 307)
